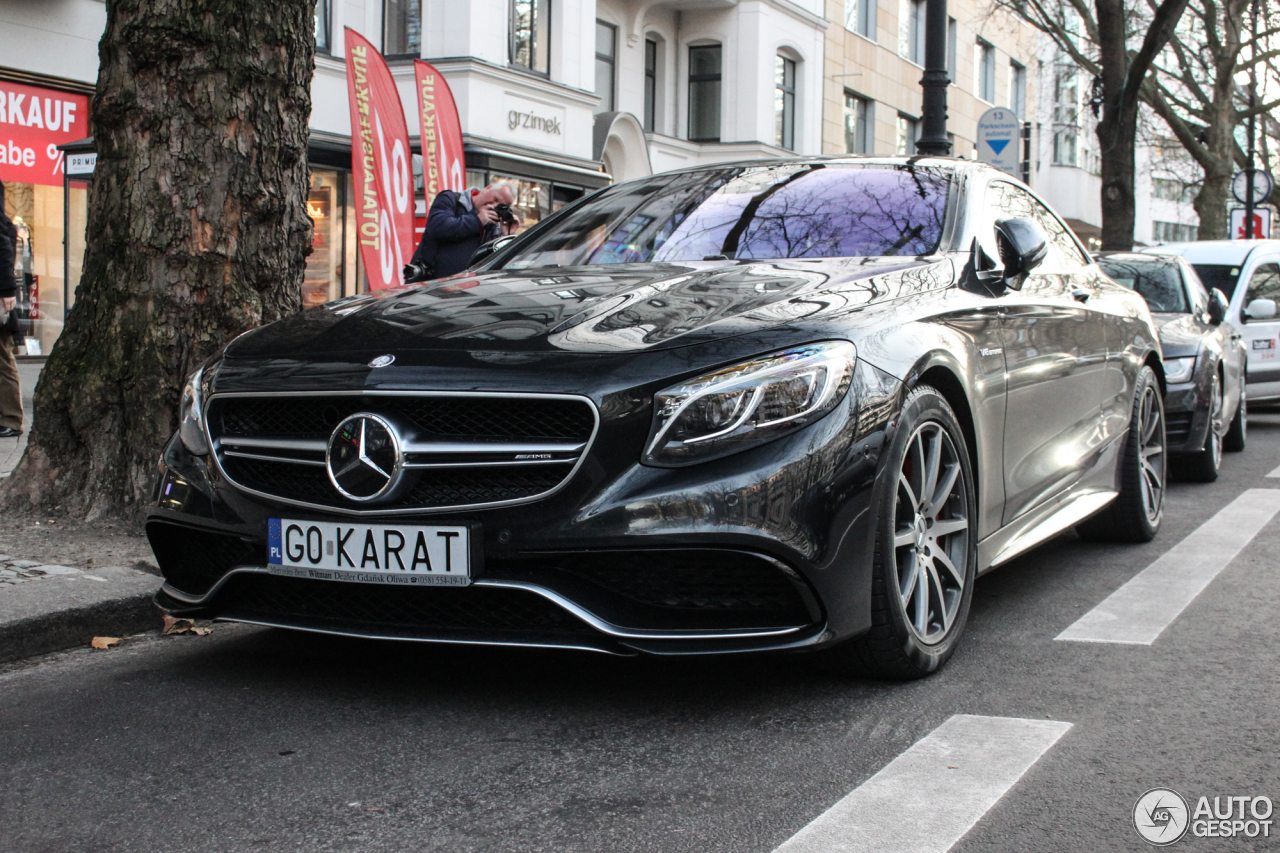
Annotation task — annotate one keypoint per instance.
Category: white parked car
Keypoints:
(1248, 274)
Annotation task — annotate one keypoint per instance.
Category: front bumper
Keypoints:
(766, 549)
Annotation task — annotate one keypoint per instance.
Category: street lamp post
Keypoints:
(933, 137)
(1253, 119)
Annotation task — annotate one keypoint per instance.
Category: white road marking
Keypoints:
(928, 797)
(1140, 610)
(1275, 473)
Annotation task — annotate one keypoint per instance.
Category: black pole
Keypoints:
(933, 137)
(1253, 119)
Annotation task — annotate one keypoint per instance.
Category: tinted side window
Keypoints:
(1006, 200)
(1264, 284)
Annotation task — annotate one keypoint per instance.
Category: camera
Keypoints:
(505, 214)
(418, 272)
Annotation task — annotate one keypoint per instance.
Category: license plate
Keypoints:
(369, 553)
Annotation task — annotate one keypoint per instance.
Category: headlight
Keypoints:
(1178, 369)
(747, 404)
(191, 415)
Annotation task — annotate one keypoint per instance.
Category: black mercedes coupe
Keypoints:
(793, 405)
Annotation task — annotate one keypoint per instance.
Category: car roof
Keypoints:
(1214, 251)
(953, 163)
(1136, 257)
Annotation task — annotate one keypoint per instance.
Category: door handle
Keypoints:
(1080, 295)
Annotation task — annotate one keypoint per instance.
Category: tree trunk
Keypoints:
(198, 230)
(1117, 130)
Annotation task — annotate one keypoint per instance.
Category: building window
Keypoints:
(531, 35)
(704, 93)
(860, 17)
(784, 102)
(984, 71)
(322, 26)
(606, 61)
(1173, 232)
(908, 133)
(859, 124)
(650, 84)
(911, 30)
(1171, 189)
(401, 28)
(1018, 90)
(952, 29)
(1066, 115)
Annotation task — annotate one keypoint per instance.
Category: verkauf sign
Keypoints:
(33, 123)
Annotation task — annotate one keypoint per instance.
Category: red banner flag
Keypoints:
(33, 123)
(443, 164)
(380, 165)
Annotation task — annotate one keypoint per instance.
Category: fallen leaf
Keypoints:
(175, 625)
(104, 642)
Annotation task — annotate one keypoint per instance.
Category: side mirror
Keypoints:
(1023, 246)
(487, 249)
(1217, 307)
(1260, 309)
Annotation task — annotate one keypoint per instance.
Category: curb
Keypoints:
(65, 629)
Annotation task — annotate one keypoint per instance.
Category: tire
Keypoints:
(1233, 441)
(1135, 515)
(914, 632)
(1203, 466)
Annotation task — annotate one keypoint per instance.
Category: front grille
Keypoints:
(461, 450)
(1177, 428)
(435, 611)
(193, 560)
(468, 418)
(429, 488)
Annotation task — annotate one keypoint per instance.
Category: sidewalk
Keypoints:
(53, 593)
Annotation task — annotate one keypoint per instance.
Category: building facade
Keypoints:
(875, 59)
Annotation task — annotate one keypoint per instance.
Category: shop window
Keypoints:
(784, 102)
(401, 28)
(606, 63)
(911, 30)
(531, 35)
(650, 84)
(704, 93)
(560, 196)
(859, 124)
(323, 278)
(984, 71)
(323, 25)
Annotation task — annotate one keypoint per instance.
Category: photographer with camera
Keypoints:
(457, 225)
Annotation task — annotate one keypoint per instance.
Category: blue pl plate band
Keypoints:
(275, 546)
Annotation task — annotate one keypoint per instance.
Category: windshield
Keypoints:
(1159, 282)
(796, 210)
(1221, 276)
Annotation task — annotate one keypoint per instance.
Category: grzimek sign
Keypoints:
(998, 134)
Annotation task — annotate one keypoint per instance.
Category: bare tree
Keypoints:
(1097, 39)
(197, 230)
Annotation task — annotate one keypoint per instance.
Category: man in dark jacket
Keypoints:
(457, 225)
(10, 386)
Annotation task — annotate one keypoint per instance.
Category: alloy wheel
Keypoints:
(1151, 452)
(931, 533)
(1216, 427)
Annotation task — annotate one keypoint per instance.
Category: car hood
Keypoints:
(1180, 334)
(614, 309)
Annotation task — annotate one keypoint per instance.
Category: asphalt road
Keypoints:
(254, 739)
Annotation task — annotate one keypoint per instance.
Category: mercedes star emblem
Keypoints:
(365, 457)
(382, 361)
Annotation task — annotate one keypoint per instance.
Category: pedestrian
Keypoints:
(10, 385)
(458, 224)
